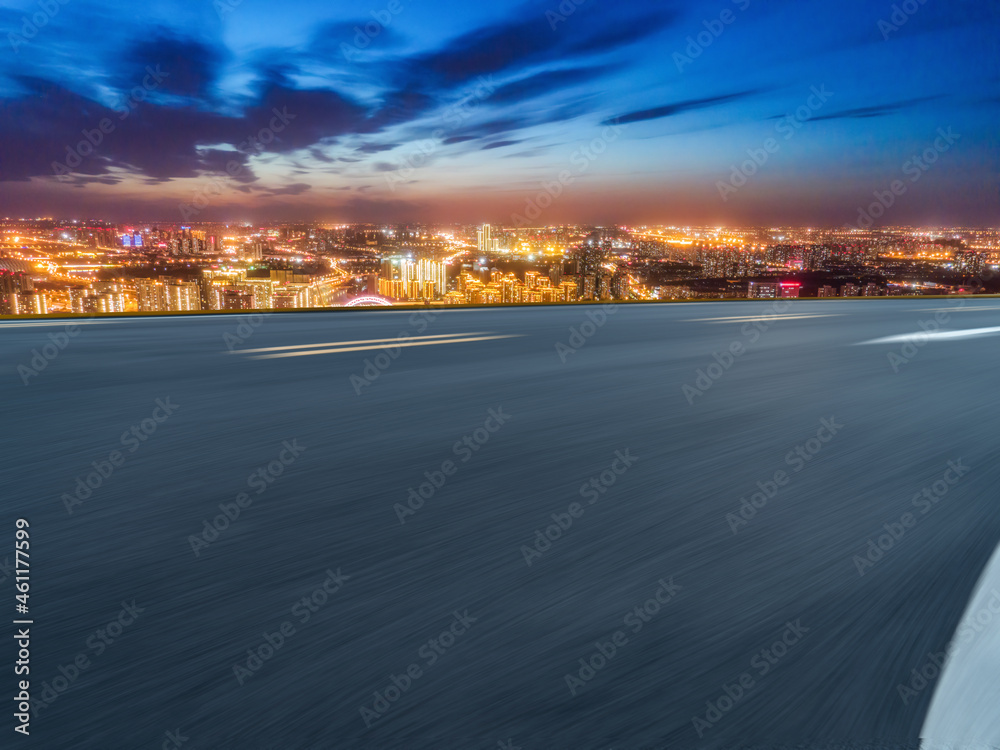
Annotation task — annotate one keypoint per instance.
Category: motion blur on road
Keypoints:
(664, 526)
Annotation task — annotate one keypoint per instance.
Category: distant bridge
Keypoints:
(369, 300)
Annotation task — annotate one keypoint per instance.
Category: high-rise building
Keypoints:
(150, 295)
(183, 296)
(402, 278)
(487, 243)
(31, 303)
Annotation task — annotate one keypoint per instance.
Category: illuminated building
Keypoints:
(620, 285)
(763, 290)
(405, 279)
(31, 303)
(182, 296)
(487, 244)
(150, 295)
(235, 299)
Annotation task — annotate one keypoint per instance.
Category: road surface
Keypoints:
(666, 526)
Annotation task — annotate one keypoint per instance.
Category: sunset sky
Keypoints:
(458, 111)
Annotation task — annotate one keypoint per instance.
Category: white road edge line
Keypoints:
(348, 343)
(963, 711)
(343, 350)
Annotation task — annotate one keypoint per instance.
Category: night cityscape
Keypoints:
(93, 267)
(525, 375)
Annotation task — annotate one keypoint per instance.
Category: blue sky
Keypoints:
(457, 111)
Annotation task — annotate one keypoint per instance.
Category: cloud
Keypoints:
(159, 140)
(668, 110)
(547, 83)
(880, 110)
(296, 188)
(515, 45)
(500, 144)
(192, 67)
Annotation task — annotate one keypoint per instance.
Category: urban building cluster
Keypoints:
(49, 266)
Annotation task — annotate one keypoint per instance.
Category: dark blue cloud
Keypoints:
(676, 108)
(878, 110)
(547, 83)
(192, 66)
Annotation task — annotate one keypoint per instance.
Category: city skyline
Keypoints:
(50, 267)
(554, 113)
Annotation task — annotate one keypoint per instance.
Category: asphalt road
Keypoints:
(335, 608)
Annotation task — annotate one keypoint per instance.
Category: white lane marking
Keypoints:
(348, 343)
(963, 712)
(373, 348)
(764, 316)
(46, 324)
(142, 319)
(968, 333)
(953, 309)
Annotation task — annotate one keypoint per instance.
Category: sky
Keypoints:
(539, 112)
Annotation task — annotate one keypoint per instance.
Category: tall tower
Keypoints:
(485, 239)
